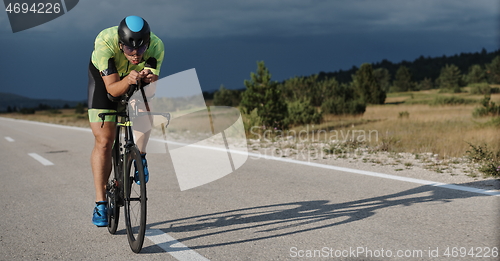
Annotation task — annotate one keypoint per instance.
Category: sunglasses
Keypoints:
(129, 50)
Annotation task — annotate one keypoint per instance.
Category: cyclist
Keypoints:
(122, 56)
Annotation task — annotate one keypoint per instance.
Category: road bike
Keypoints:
(123, 189)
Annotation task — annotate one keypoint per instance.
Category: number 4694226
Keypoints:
(472, 252)
(38, 8)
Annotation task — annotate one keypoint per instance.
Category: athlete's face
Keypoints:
(133, 55)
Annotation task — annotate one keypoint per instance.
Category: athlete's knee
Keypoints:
(104, 142)
(104, 139)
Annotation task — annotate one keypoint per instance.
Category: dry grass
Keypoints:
(443, 130)
(65, 117)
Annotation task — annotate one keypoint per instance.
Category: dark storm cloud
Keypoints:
(223, 39)
(186, 19)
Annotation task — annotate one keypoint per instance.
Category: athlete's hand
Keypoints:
(133, 77)
(148, 76)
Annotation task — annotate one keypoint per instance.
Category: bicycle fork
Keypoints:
(126, 161)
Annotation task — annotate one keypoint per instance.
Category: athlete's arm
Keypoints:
(117, 87)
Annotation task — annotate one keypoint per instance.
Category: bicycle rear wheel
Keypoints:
(113, 208)
(135, 202)
(113, 187)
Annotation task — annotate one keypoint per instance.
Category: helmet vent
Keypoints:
(135, 43)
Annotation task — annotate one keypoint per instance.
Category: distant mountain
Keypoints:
(18, 101)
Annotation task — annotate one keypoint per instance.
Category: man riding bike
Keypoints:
(123, 55)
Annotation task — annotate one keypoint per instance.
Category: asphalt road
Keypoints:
(266, 210)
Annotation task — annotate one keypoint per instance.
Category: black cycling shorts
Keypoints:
(97, 93)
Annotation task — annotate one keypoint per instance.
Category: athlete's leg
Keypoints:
(98, 102)
(100, 159)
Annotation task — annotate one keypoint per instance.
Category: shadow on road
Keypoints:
(277, 220)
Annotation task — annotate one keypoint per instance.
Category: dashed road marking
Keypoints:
(41, 159)
(172, 246)
(9, 139)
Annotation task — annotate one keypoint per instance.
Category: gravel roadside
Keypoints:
(427, 166)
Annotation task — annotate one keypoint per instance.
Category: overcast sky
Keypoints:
(223, 39)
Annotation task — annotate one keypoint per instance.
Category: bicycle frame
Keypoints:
(126, 126)
(119, 190)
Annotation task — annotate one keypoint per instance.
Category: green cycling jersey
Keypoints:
(108, 58)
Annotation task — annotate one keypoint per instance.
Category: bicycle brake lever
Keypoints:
(167, 116)
(102, 116)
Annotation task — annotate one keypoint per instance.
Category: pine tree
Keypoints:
(402, 81)
(425, 84)
(367, 87)
(263, 94)
(476, 74)
(493, 71)
(450, 79)
(383, 77)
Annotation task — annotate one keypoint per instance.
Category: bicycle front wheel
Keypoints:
(135, 201)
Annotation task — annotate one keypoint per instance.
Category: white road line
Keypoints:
(9, 139)
(49, 124)
(356, 171)
(172, 246)
(41, 159)
(381, 175)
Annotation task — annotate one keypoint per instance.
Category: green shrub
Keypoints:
(339, 106)
(480, 88)
(488, 108)
(302, 112)
(252, 122)
(225, 97)
(489, 161)
(452, 100)
(403, 114)
(494, 122)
